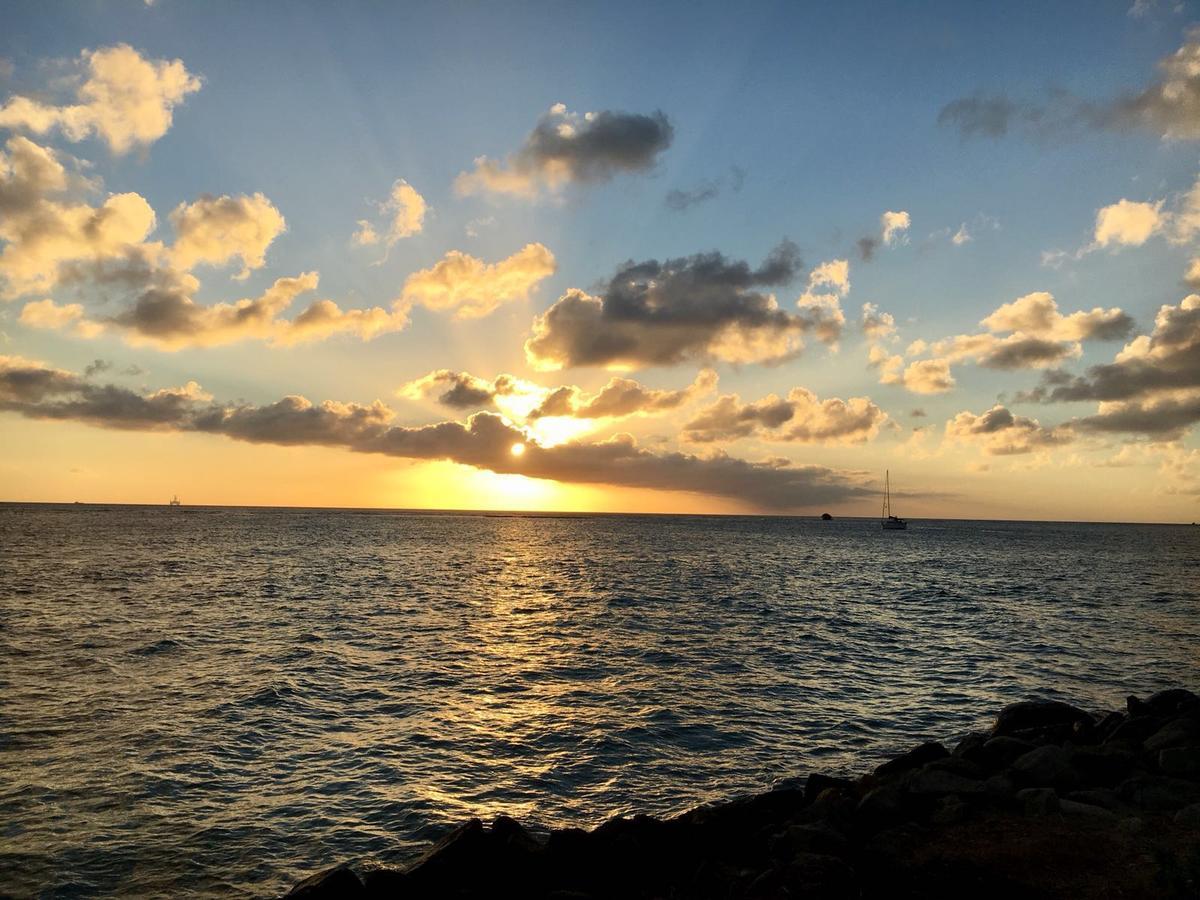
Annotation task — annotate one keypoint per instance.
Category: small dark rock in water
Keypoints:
(1064, 809)
(826, 517)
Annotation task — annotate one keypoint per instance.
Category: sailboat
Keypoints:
(175, 501)
(887, 520)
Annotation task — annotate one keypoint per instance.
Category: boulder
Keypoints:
(1039, 801)
(934, 780)
(1001, 752)
(1079, 810)
(1160, 793)
(970, 744)
(1048, 766)
(1164, 703)
(1176, 733)
(1180, 762)
(1103, 766)
(1032, 715)
(1134, 730)
(1189, 816)
(332, 884)
(913, 759)
(817, 782)
(1102, 797)
(880, 808)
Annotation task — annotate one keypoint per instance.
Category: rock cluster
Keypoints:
(1052, 802)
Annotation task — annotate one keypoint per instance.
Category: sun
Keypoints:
(518, 449)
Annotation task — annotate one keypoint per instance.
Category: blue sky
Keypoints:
(826, 115)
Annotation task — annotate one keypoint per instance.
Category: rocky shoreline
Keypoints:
(1052, 802)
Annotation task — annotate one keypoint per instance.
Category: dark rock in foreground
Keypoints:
(1052, 803)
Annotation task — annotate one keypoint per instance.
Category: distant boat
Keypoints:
(826, 517)
(175, 501)
(888, 521)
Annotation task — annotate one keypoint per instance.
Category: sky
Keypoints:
(699, 257)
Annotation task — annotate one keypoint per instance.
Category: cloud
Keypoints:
(405, 209)
(125, 99)
(1000, 433)
(622, 397)
(163, 313)
(925, 376)
(1168, 107)
(663, 313)
(807, 418)
(876, 324)
(41, 233)
(484, 441)
(567, 148)
(1128, 223)
(462, 390)
(893, 226)
(215, 230)
(1037, 314)
(709, 189)
(472, 288)
(1153, 385)
(893, 229)
(962, 236)
(48, 315)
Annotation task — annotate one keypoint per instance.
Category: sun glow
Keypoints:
(554, 430)
(518, 449)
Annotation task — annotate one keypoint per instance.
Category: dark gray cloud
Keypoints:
(1001, 433)
(460, 390)
(568, 148)
(918, 413)
(1026, 353)
(709, 189)
(662, 313)
(1163, 419)
(867, 246)
(484, 441)
(1168, 107)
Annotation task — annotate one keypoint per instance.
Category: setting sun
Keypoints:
(518, 449)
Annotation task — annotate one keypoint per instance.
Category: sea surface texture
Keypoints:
(219, 701)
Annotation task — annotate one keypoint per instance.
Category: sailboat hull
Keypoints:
(894, 526)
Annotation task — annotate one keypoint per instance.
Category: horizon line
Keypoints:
(503, 513)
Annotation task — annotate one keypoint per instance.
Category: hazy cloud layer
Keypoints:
(680, 200)
(663, 313)
(484, 441)
(801, 418)
(566, 148)
(1168, 107)
(123, 98)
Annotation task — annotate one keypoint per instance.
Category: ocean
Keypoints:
(218, 701)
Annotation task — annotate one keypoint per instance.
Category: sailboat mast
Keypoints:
(887, 492)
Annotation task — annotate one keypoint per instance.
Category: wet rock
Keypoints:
(1107, 726)
(950, 810)
(1180, 762)
(913, 759)
(331, 884)
(1176, 733)
(817, 782)
(1160, 793)
(971, 744)
(1031, 715)
(1048, 766)
(1039, 801)
(385, 883)
(807, 875)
